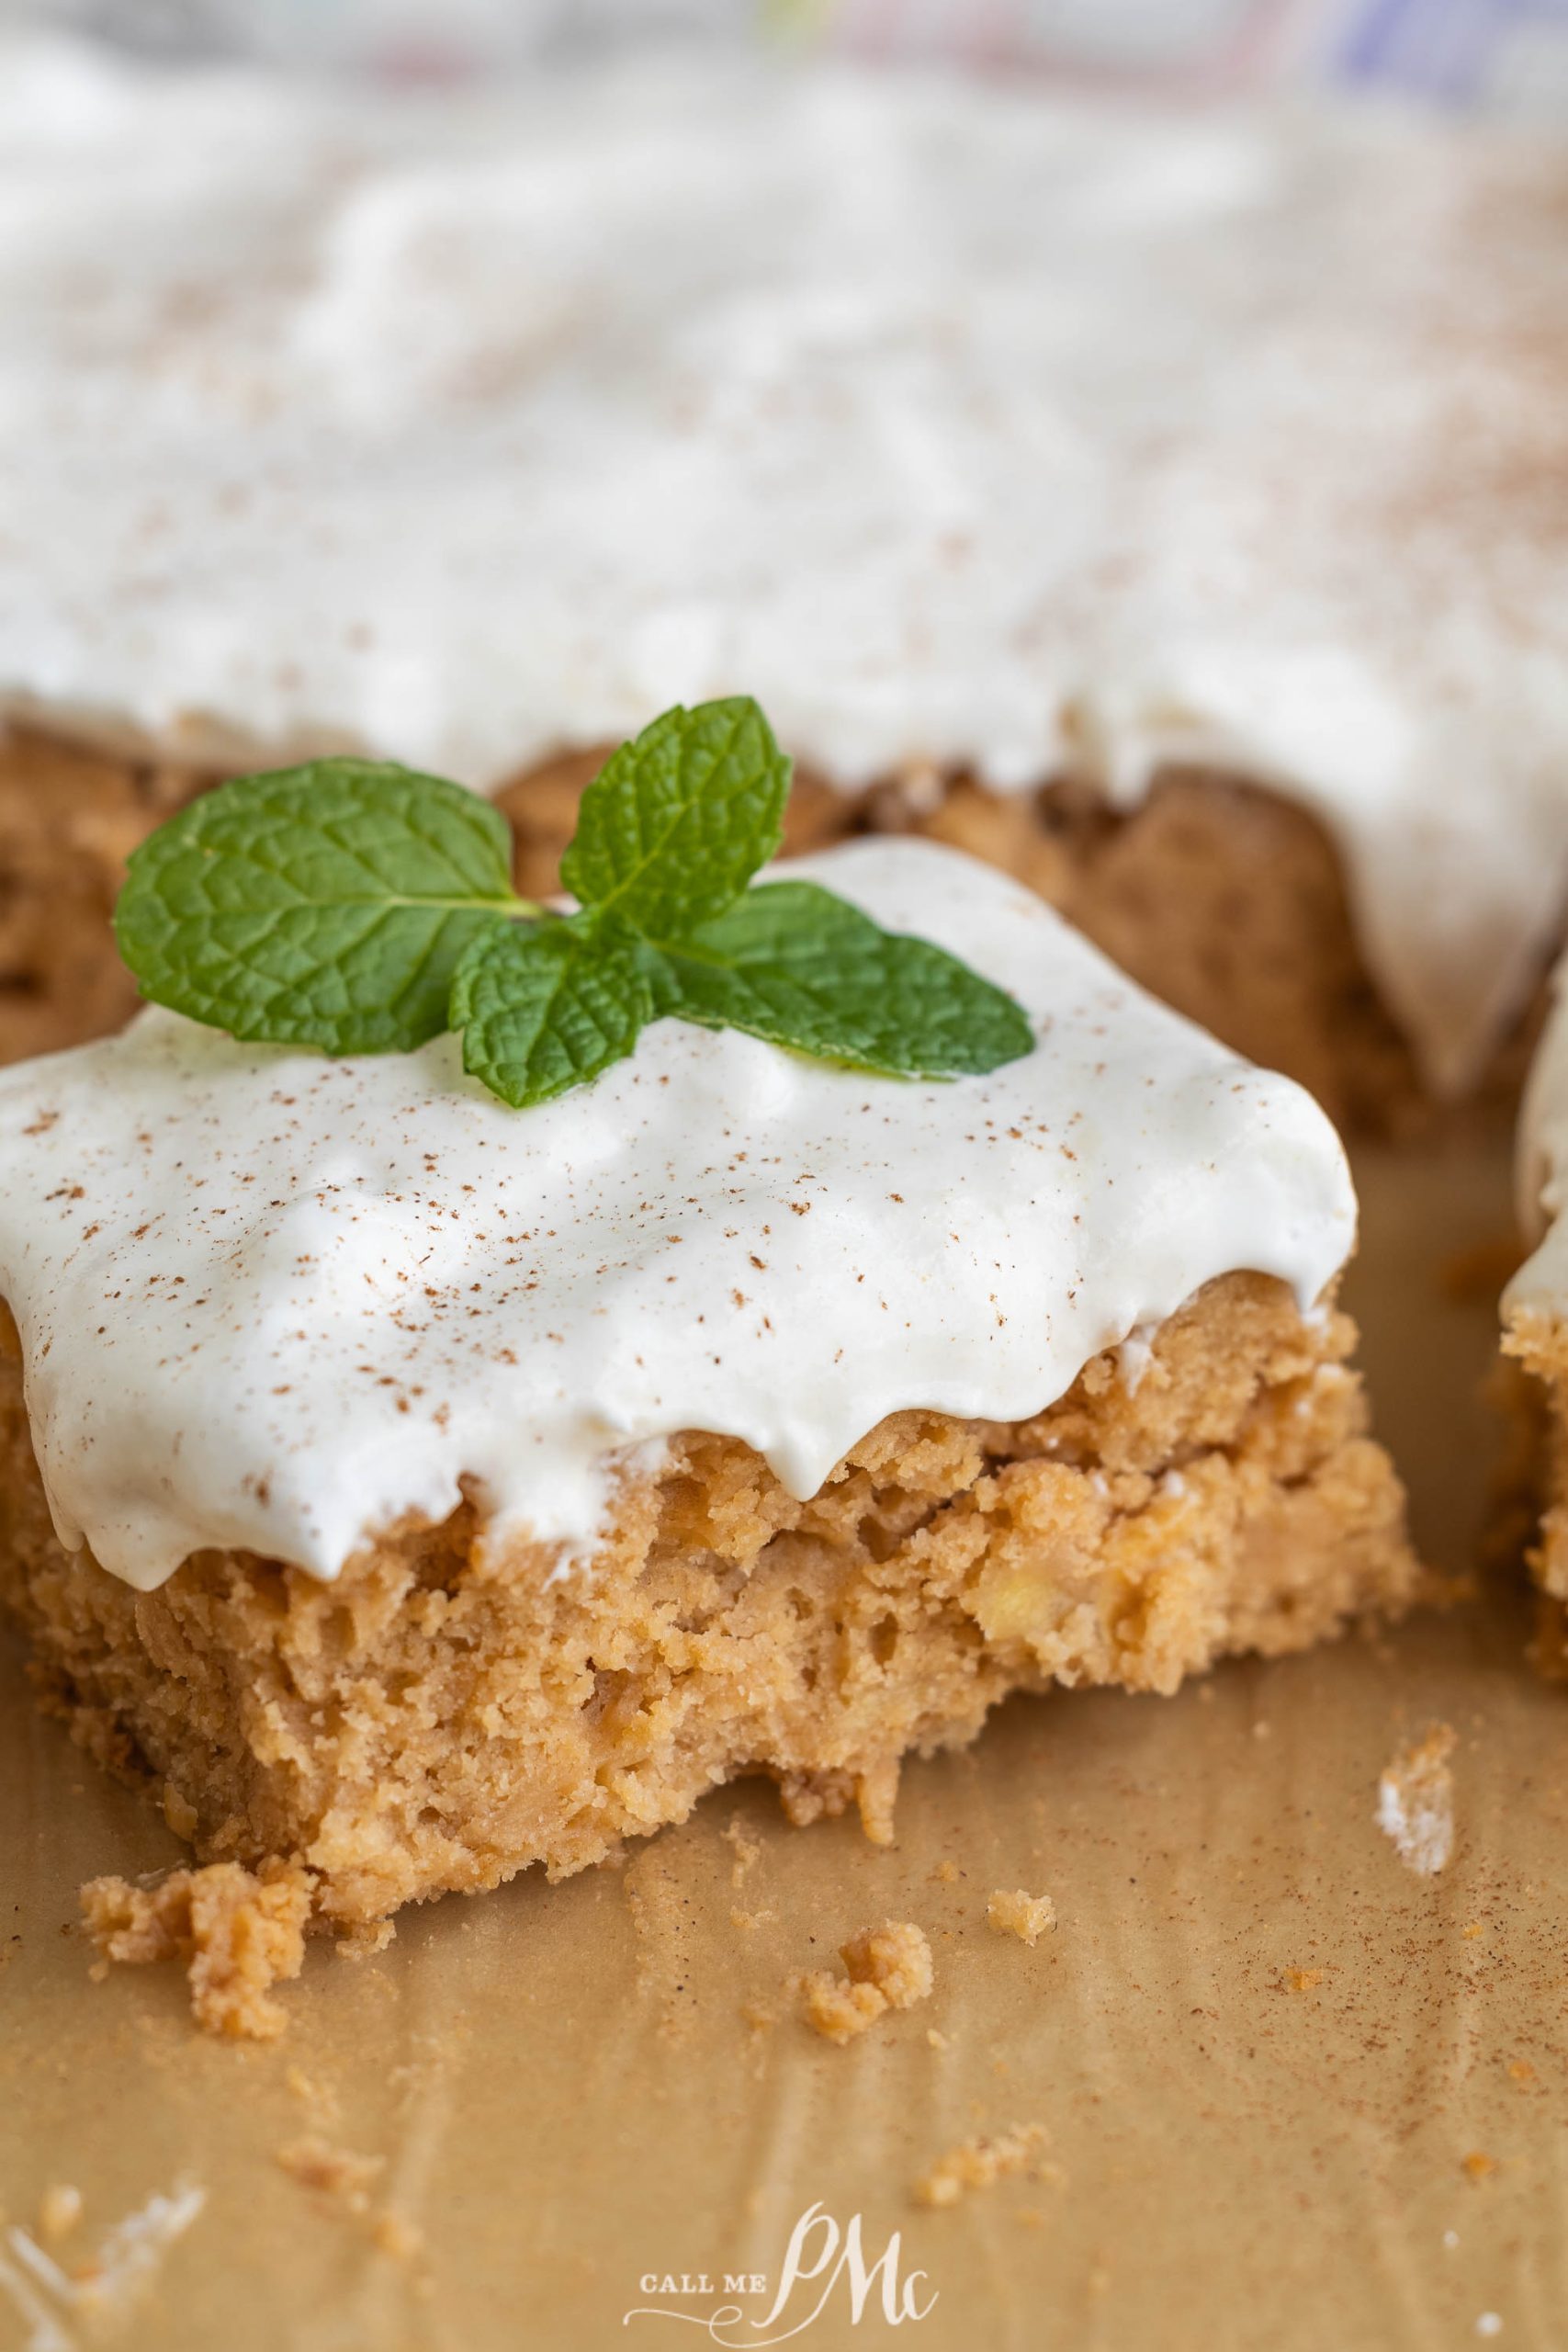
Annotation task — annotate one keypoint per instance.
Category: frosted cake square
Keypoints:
(1535, 1331)
(414, 1490)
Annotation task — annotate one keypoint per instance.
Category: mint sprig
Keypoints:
(364, 908)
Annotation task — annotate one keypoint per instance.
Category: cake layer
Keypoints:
(961, 426)
(1223, 898)
(449, 1712)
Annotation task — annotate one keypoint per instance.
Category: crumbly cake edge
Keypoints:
(1530, 1500)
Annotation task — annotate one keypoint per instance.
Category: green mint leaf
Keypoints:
(545, 1007)
(794, 964)
(676, 823)
(325, 905)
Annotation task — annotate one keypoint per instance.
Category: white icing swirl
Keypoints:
(954, 424)
(272, 1301)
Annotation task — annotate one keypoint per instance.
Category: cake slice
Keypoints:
(416, 1489)
(1535, 1331)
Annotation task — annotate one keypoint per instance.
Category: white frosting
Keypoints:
(273, 1301)
(955, 424)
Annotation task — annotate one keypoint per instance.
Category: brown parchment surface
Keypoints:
(566, 2094)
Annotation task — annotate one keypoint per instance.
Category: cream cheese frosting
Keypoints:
(957, 424)
(272, 1301)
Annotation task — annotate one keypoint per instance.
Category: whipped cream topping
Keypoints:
(273, 1301)
(956, 425)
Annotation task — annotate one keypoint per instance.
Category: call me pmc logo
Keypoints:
(823, 2265)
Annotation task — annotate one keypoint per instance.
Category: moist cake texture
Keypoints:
(996, 445)
(418, 1489)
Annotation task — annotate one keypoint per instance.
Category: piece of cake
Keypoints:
(1535, 1328)
(417, 1488)
(1090, 491)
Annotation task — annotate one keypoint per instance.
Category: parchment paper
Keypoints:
(1297, 2097)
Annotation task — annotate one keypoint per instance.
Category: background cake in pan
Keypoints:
(1169, 510)
(439, 1488)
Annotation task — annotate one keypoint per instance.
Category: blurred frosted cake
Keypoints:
(414, 1488)
(1535, 1321)
(1171, 512)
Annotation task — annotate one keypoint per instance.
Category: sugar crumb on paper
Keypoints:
(60, 2210)
(980, 2163)
(1416, 1802)
(334, 2171)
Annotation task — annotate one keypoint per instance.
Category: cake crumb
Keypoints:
(876, 1796)
(336, 2172)
(1477, 2165)
(980, 2163)
(947, 1873)
(837, 2009)
(1300, 1980)
(935, 2037)
(60, 2210)
(319, 2100)
(889, 1968)
(398, 2237)
(180, 1813)
(238, 1932)
(748, 1851)
(1011, 1912)
(1416, 1803)
(364, 1938)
